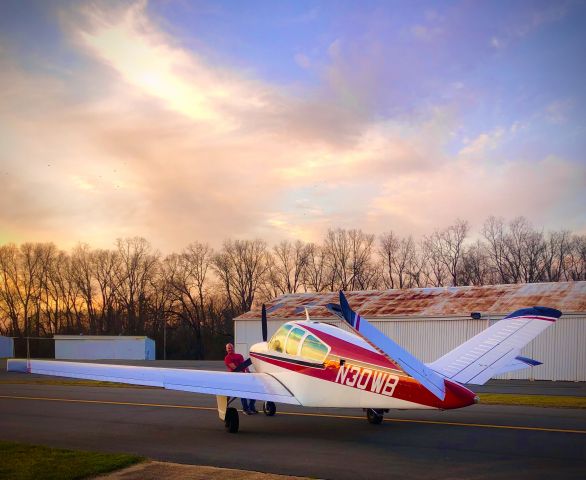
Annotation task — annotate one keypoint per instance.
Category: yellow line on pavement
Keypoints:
(300, 414)
(433, 422)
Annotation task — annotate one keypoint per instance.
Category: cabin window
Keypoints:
(278, 339)
(313, 349)
(293, 341)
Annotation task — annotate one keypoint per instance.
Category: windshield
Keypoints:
(278, 339)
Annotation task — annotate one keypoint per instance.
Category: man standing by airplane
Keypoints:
(232, 360)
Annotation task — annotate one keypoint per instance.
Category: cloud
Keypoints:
(148, 60)
(557, 112)
(140, 135)
(474, 190)
(483, 142)
(426, 33)
(302, 60)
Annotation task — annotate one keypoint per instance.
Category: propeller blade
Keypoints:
(335, 309)
(244, 365)
(263, 322)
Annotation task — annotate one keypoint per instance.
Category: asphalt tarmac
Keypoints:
(482, 441)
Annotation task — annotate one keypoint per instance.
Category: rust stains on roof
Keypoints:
(569, 297)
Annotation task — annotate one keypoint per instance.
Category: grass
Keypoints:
(557, 401)
(32, 462)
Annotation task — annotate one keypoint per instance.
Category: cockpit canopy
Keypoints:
(296, 341)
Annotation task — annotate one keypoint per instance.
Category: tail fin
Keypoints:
(496, 350)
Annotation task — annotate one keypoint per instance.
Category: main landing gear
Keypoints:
(375, 415)
(229, 415)
(269, 408)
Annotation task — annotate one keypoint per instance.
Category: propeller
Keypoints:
(263, 323)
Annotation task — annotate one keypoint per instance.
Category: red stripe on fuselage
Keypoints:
(346, 350)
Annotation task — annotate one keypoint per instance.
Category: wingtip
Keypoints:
(550, 314)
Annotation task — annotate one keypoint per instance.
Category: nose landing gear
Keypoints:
(231, 420)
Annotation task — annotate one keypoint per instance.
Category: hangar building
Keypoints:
(430, 322)
(102, 347)
(6, 347)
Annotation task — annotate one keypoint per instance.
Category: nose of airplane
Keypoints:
(259, 347)
(458, 396)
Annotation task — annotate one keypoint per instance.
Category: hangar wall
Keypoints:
(94, 347)
(560, 347)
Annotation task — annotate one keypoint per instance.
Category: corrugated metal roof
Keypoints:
(569, 297)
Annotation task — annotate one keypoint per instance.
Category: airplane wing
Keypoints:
(412, 365)
(496, 349)
(259, 386)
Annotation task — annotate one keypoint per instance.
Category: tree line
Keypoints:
(190, 298)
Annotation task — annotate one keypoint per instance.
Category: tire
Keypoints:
(231, 420)
(269, 408)
(374, 416)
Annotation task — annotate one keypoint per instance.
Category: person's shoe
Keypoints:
(248, 412)
(253, 410)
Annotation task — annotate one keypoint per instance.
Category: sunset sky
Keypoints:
(184, 120)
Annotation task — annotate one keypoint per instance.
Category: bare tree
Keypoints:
(81, 272)
(556, 254)
(337, 252)
(186, 277)
(433, 267)
(495, 233)
(525, 251)
(10, 287)
(398, 261)
(314, 278)
(446, 248)
(475, 268)
(53, 285)
(197, 258)
(241, 266)
(106, 265)
(349, 258)
(289, 261)
(576, 262)
(27, 265)
(138, 264)
(364, 272)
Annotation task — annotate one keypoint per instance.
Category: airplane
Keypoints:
(314, 364)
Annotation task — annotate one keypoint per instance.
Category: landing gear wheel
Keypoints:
(374, 416)
(231, 420)
(269, 408)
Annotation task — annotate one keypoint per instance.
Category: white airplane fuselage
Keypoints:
(351, 374)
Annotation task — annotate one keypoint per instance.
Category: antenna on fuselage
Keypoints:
(307, 315)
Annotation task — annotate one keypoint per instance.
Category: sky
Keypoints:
(183, 120)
